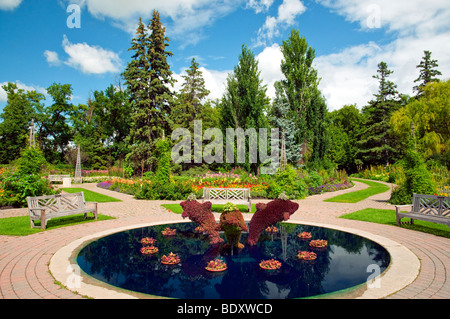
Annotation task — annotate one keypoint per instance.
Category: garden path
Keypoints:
(24, 261)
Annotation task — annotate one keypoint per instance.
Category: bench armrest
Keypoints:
(397, 207)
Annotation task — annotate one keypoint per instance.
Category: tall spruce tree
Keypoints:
(377, 142)
(149, 80)
(189, 100)
(428, 73)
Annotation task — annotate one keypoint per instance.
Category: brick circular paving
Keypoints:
(24, 261)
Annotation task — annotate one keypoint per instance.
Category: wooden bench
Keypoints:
(57, 178)
(430, 208)
(239, 196)
(44, 208)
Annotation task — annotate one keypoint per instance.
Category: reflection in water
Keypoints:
(116, 259)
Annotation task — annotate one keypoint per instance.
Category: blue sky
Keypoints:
(350, 37)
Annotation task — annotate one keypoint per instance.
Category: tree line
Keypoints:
(125, 121)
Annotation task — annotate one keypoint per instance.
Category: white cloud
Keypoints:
(9, 4)
(259, 5)
(416, 25)
(269, 62)
(287, 13)
(20, 85)
(91, 59)
(52, 57)
(347, 75)
(403, 16)
(186, 17)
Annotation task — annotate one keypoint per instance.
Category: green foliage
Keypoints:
(15, 120)
(417, 179)
(288, 181)
(427, 72)
(230, 207)
(31, 161)
(377, 144)
(18, 186)
(148, 79)
(429, 114)
(245, 100)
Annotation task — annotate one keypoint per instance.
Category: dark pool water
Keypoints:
(116, 260)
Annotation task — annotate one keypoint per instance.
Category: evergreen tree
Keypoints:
(300, 86)
(279, 118)
(148, 78)
(189, 103)
(377, 143)
(428, 72)
(245, 100)
(16, 118)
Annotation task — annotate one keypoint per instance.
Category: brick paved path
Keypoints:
(24, 261)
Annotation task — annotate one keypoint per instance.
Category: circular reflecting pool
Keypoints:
(348, 260)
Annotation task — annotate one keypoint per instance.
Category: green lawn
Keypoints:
(90, 196)
(354, 197)
(20, 226)
(387, 217)
(176, 208)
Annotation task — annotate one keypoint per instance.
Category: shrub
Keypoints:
(417, 179)
(32, 161)
(18, 186)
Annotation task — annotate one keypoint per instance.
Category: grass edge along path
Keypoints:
(357, 196)
(91, 196)
(20, 226)
(176, 208)
(387, 217)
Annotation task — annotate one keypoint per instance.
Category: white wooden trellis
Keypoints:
(78, 179)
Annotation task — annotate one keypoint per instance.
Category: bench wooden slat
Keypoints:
(44, 208)
(431, 208)
(239, 196)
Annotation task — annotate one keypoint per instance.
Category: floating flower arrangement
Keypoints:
(270, 264)
(304, 235)
(149, 250)
(169, 232)
(272, 229)
(148, 241)
(318, 243)
(171, 259)
(306, 255)
(216, 265)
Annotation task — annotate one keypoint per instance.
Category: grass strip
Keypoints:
(90, 196)
(177, 209)
(387, 217)
(20, 226)
(354, 197)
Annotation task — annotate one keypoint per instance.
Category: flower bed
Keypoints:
(171, 259)
(216, 265)
(149, 250)
(304, 235)
(272, 229)
(306, 255)
(169, 232)
(270, 264)
(318, 243)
